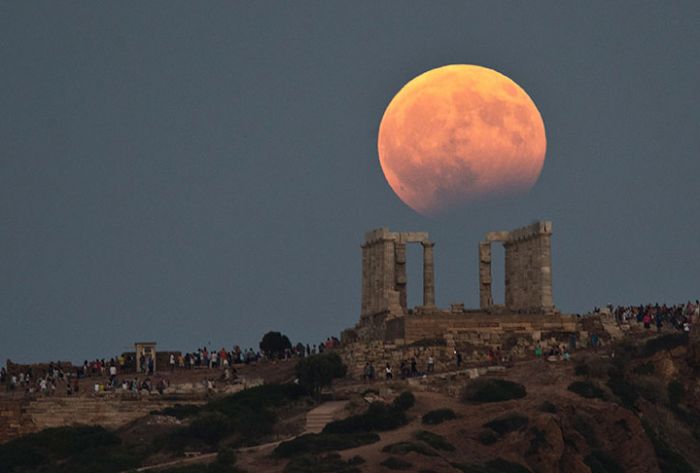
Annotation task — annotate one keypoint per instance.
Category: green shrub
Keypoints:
(434, 440)
(664, 342)
(323, 442)
(55, 444)
(506, 424)
(644, 369)
(210, 427)
(179, 411)
(331, 463)
(538, 440)
(586, 389)
(625, 391)
(592, 367)
(492, 390)
(318, 371)
(601, 462)
(404, 401)
(265, 396)
(488, 437)
(549, 407)
(402, 448)
(670, 461)
(584, 426)
(394, 463)
(379, 417)
(250, 413)
(356, 460)
(112, 459)
(438, 416)
(676, 392)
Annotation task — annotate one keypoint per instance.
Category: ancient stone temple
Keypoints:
(384, 314)
(388, 330)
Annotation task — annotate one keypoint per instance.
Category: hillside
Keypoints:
(633, 407)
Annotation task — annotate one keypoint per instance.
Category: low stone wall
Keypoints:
(440, 333)
(412, 328)
(23, 416)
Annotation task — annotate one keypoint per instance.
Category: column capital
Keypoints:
(427, 243)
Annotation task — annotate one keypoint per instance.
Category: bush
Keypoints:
(549, 407)
(404, 401)
(664, 342)
(210, 427)
(601, 462)
(274, 344)
(438, 416)
(583, 426)
(394, 463)
(581, 370)
(318, 371)
(592, 367)
(323, 442)
(676, 392)
(538, 440)
(644, 369)
(402, 448)
(325, 464)
(55, 444)
(434, 440)
(586, 389)
(506, 424)
(492, 390)
(625, 391)
(669, 460)
(179, 411)
(487, 437)
(379, 417)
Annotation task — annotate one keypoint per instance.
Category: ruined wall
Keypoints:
(23, 416)
(438, 324)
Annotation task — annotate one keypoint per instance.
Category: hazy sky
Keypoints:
(203, 172)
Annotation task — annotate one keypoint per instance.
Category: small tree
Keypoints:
(318, 371)
(273, 344)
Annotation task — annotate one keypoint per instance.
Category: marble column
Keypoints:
(485, 294)
(428, 274)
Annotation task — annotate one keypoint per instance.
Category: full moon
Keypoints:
(459, 134)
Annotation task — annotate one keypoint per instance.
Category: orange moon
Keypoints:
(459, 134)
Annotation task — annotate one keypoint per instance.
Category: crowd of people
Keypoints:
(120, 373)
(678, 316)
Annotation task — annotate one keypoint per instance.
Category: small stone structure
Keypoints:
(147, 350)
(528, 272)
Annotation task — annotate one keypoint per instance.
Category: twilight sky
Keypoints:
(203, 172)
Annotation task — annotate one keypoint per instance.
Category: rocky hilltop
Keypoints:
(631, 406)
